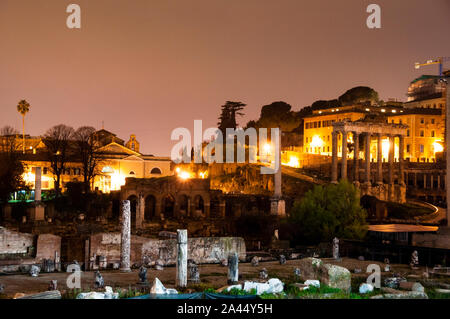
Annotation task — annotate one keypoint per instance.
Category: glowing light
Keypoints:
(438, 147)
(385, 148)
(203, 174)
(184, 175)
(117, 181)
(316, 141)
(267, 148)
(383, 110)
(293, 162)
(28, 177)
(107, 169)
(177, 169)
(349, 138)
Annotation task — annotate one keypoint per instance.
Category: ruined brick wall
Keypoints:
(431, 240)
(47, 245)
(105, 244)
(12, 242)
(202, 249)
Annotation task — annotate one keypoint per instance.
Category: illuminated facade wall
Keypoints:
(424, 139)
(318, 128)
(425, 136)
(114, 172)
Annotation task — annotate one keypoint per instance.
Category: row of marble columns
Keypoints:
(367, 137)
(425, 180)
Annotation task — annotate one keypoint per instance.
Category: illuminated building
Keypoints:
(117, 163)
(423, 141)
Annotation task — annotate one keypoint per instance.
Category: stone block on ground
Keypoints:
(413, 286)
(158, 288)
(328, 274)
(365, 288)
(273, 285)
(312, 282)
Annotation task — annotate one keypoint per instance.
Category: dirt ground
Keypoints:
(211, 275)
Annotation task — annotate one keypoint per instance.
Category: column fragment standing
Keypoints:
(182, 252)
(356, 158)
(367, 155)
(334, 159)
(126, 236)
(401, 160)
(344, 156)
(379, 159)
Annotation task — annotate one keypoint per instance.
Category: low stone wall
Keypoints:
(431, 240)
(17, 249)
(201, 250)
(12, 242)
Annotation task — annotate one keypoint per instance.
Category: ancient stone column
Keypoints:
(182, 253)
(356, 158)
(334, 159)
(37, 184)
(439, 181)
(424, 180)
(401, 160)
(233, 268)
(431, 181)
(126, 237)
(344, 156)
(415, 180)
(379, 159)
(367, 154)
(391, 160)
(140, 211)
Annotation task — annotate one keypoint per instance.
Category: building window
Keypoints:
(156, 170)
(131, 173)
(45, 171)
(306, 140)
(432, 133)
(400, 121)
(421, 148)
(408, 148)
(422, 133)
(407, 132)
(422, 120)
(432, 121)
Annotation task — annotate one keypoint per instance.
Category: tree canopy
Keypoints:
(359, 94)
(277, 114)
(227, 118)
(326, 212)
(11, 168)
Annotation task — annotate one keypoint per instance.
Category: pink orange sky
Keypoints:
(149, 66)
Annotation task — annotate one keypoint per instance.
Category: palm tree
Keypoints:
(23, 108)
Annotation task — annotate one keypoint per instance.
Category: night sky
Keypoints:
(149, 66)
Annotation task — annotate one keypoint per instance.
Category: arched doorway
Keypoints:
(168, 206)
(150, 204)
(199, 206)
(184, 205)
(133, 209)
